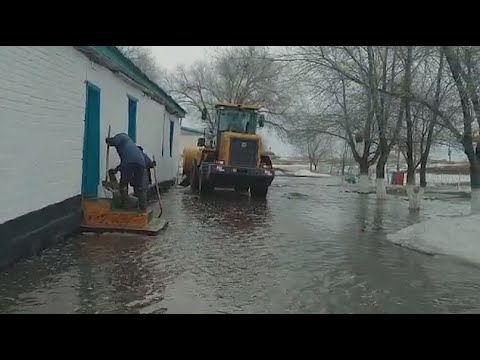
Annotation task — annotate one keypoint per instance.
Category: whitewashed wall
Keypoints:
(42, 110)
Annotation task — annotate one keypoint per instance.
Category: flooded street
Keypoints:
(311, 247)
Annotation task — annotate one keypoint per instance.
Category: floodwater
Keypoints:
(311, 247)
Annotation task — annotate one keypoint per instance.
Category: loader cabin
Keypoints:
(235, 118)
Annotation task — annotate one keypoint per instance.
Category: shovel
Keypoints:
(156, 187)
(107, 158)
(108, 154)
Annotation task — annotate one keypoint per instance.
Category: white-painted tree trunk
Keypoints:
(381, 189)
(359, 148)
(415, 196)
(475, 201)
(364, 184)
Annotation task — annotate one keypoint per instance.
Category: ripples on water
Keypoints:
(310, 248)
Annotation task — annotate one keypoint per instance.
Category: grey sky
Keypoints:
(170, 57)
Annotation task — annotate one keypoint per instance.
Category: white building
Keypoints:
(56, 103)
(189, 137)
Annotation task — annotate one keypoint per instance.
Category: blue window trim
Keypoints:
(133, 98)
(171, 135)
(132, 121)
(163, 135)
(92, 85)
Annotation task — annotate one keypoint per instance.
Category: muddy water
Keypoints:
(310, 247)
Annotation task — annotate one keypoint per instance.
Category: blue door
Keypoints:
(132, 118)
(91, 143)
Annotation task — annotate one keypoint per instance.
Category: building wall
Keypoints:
(42, 107)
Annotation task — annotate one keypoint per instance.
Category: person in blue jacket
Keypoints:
(132, 168)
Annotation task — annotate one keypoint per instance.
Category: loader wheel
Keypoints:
(205, 188)
(259, 192)
(194, 178)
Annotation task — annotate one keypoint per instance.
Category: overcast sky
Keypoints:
(171, 56)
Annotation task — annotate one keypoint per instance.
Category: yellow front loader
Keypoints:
(234, 158)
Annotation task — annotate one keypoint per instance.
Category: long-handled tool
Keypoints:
(106, 182)
(156, 187)
(108, 155)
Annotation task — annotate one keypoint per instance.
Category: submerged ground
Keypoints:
(311, 247)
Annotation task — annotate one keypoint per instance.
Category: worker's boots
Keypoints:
(123, 197)
(142, 199)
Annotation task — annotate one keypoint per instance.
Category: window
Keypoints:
(172, 126)
(132, 118)
(234, 120)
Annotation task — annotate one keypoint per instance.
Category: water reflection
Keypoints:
(229, 210)
(323, 252)
(111, 269)
(232, 254)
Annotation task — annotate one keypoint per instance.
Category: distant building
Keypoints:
(56, 104)
(189, 137)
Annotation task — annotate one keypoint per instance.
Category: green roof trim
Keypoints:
(118, 62)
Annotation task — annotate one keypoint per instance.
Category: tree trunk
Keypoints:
(423, 173)
(474, 159)
(380, 170)
(475, 185)
(466, 93)
(364, 183)
(431, 126)
(414, 194)
(311, 166)
(412, 191)
(423, 181)
(315, 165)
(382, 119)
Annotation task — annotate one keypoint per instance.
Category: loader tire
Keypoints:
(194, 178)
(258, 192)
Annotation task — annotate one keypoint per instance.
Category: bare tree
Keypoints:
(194, 87)
(143, 58)
(315, 146)
(237, 75)
(463, 63)
(430, 129)
(361, 114)
(346, 158)
(378, 98)
(464, 66)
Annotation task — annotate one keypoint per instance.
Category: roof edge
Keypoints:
(197, 131)
(129, 69)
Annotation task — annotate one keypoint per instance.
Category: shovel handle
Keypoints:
(156, 188)
(107, 154)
